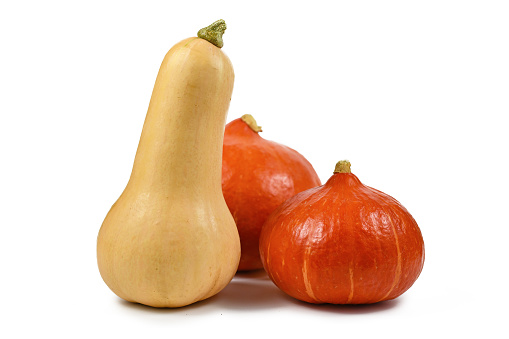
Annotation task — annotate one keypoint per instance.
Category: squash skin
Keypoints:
(169, 240)
(258, 175)
(342, 243)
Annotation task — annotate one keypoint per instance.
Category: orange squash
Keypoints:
(342, 243)
(258, 175)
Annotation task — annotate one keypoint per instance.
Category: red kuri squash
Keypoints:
(258, 175)
(342, 243)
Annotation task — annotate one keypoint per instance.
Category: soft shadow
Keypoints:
(161, 310)
(247, 291)
(350, 309)
(251, 291)
(256, 274)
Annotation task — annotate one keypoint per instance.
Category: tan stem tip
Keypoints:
(343, 166)
(251, 122)
(214, 33)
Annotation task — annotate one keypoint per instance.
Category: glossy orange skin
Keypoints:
(259, 175)
(342, 243)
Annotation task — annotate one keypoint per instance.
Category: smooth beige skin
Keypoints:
(170, 240)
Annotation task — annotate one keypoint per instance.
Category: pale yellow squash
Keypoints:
(170, 240)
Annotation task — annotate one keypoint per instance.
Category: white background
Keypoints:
(413, 93)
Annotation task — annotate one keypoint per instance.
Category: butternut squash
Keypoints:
(170, 240)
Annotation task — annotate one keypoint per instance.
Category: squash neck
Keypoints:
(180, 148)
(187, 158)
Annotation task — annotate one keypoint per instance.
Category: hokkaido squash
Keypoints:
(170, 240)
(258, 175)
(342, 243)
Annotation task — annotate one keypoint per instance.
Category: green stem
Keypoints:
(214, 33)
(343, 166)
(251, 122)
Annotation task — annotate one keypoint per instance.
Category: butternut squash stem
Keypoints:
(343, 166)
(251, 122)
(214, 33)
